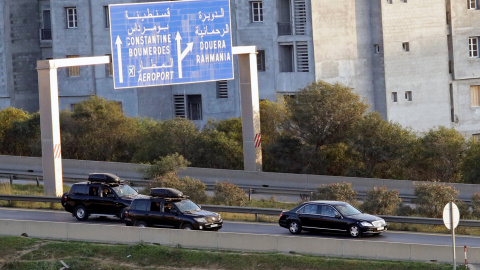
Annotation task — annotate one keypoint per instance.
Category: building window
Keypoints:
(222, 89)
(257, 11)
(475, 95)
(106, 15)
(408, 95)
(301, 49)
(472, 4)
(473, 46)
(73, 71)
(406, 46)
(389, 1)
(188, 106)
(72, 17)
(394, 97)
(47, 25)
(376, 48)
(261, 60)
(404, 1)
(179, 103)
(194, 107)
(72, 107)
(286, 58)
(109, 67)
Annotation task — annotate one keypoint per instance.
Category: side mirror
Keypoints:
(338, 216)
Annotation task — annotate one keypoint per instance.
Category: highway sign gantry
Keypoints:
(171, 42)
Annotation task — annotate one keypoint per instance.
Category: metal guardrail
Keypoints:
(259, 211)
(305, 194)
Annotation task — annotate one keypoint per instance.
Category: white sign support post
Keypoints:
(252, 150)
(451, 217)
(50, 118)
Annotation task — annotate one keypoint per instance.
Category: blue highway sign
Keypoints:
(171, 42)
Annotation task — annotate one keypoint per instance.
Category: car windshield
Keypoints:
(347, 210)
(187, 206)
(124, 190)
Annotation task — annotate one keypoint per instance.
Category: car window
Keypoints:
(347, 210)
(309, 209)
(328, 211)
(155, 206)
(187, 206)
(80, 189)
(141, 205)
(93, 191)
(124, 190)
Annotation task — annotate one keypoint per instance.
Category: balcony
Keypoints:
(284, 28)
(46, 34)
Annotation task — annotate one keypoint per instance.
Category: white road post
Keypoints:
(252, 148)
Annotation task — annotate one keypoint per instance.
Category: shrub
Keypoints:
(193, 188)
(432, 197)
(464, 209)
(380, 201)
(476, 205)
(169, 164)
(229, 194)
(405, 210)
(336, 192)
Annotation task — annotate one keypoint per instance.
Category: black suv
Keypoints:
(168, 207)
(104, 194)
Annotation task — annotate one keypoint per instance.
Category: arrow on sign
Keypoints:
(118, 42)
(181, 55)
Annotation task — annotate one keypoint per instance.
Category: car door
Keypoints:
(308, 215)
(109, 204)
(155, 215)
(170, 212)
(331, 219)
(93, 200)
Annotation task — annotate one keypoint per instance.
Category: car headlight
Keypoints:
(201, 220)
(366, 224)
(219, 217)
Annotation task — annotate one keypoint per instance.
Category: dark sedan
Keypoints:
(331, 216)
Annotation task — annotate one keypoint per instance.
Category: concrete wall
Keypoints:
(236, 241)
(130, 171)
(423, 69)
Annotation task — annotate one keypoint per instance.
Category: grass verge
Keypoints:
(24, 253)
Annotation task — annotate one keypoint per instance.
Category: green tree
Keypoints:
(384, 149)
(101, 131)
(470, 166)
(229, 194)
(8, 117)
(322, 113)
(168, 137)
(440, 155)
(23, 138)
(216, 149)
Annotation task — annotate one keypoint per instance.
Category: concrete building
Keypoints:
(417, 62)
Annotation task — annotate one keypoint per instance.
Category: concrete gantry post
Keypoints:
(50, 118)
(252, 147)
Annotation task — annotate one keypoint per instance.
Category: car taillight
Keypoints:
(126, 213)
(281, 214)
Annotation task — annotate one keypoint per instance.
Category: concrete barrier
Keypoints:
(362, 248)
(131, 171)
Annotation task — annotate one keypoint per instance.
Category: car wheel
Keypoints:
(187, 226)
(122, 214)
(294, 227)
(141, 224)
(81, 213)
(354, 231)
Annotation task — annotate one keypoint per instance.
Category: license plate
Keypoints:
(214, 225)
(380, 228)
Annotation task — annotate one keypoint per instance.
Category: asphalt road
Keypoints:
(255, 228)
